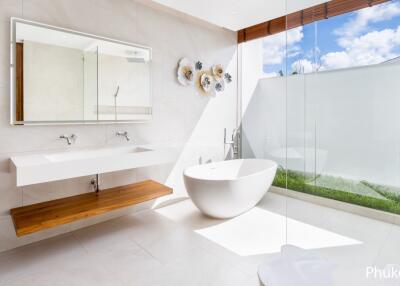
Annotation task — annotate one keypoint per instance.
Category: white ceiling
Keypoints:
(238, 14)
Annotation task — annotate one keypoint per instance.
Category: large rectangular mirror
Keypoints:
(60, 76)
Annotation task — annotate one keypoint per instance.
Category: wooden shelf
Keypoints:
(33, 218)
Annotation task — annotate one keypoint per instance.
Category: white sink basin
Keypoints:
(69, 156)
(40, 168)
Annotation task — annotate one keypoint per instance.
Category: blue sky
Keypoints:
(367, 36)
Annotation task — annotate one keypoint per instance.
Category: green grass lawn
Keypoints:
(362, 193)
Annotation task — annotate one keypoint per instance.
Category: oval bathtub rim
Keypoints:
(275, 165)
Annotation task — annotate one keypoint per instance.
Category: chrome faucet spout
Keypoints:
(70, 139)
(233, 144)
(123, 134)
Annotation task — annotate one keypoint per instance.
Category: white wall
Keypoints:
(192, 122)
(346, 122)
(53, 83)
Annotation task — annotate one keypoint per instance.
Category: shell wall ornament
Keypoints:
(208, 82)
(218, 71)
(205, 83)
(186, 72)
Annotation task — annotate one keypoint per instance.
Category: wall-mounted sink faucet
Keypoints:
(123, 134)
(70, 139)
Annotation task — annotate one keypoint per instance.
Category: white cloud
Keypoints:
(275, 46)
(336, 60)
(359, 43)
(303, 66)
(371, 48)
(364, 17)
(361, 47)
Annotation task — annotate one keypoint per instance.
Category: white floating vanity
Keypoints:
(47, 167)
(40, 168)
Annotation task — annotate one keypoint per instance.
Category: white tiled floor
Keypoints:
(176, 245)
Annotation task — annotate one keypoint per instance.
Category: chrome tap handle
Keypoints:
(225, 135)
(123, 134)
(225, 141)
(71, 138)
(236, 133)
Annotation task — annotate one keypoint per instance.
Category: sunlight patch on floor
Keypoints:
(255, 232)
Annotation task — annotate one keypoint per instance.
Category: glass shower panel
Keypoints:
(350, 120)
(264, 100)
(108, 86)
(301, 152)
(357, 129)
(299, 53)
(330, 119)
(90, 84)
(263, 113)
(124, 87)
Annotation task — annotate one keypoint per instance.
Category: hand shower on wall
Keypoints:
(115, 102)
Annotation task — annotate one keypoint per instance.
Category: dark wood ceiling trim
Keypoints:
(304, 17)
(326, 11)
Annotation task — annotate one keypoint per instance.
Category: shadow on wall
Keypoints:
(264, 108)
(206, 142)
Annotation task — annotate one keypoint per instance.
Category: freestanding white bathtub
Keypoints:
(228, 188)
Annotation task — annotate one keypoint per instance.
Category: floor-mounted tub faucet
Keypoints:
(70, 139)
(123, 134)
(232, 143)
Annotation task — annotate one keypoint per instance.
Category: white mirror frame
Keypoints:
(13, 120)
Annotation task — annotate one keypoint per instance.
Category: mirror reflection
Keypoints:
(66, 76)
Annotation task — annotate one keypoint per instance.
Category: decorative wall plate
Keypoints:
(186, 72)
(205, 83)
(208, 82)
(218, 71)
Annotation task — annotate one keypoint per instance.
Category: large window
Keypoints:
(365, 37)
(323, 101)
